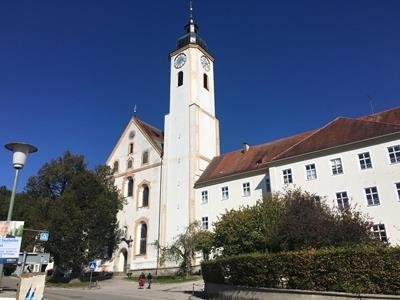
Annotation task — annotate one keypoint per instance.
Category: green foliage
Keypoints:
(289, 221)
(309, 222)
(369, 269)
(77, 206)
(204, 242)
(8, 269)
(241, 231)
(5, 196)
(184, 248)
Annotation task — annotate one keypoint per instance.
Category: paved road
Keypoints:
(120, 289)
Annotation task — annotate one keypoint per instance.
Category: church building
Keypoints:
(172, 177)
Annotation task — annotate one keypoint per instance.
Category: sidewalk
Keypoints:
(8, 287)
(185, 290)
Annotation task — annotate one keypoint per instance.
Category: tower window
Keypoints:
(180, 78)
(205, 81)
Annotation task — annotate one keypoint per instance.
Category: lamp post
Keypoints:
(20, 152)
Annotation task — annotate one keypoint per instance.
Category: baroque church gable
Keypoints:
(140, 144)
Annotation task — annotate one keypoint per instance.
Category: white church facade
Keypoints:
(173, 177)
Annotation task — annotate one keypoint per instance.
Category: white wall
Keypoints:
(354, 180)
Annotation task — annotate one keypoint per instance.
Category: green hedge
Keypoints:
(357, 269)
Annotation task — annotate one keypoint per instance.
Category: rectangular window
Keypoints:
(398, 190)
(145, 157)
(337, 167)
(394, 154)
(180, 78)
(204, 197)
(372, 195)
(379, 231)
(204, 223)
(342, 200)
(311, 172)
(287, 176)
(225, 193)
(246, 189)
(365, 160)
(267, 185)
(205, 81)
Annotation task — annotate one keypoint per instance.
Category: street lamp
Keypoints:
(20, 152)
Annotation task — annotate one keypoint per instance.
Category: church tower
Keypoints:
(191, 131)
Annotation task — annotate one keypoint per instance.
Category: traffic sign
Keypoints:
(92, 265)
(44, 236)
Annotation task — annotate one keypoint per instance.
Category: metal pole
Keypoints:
(10, 208)
(23, 262)
(9, 216)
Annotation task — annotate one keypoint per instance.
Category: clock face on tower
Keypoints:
(205, 63)
(180, 60)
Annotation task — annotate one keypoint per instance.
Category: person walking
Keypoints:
(142, 280)
(149, 280)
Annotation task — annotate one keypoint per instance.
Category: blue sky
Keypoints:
(72, 71)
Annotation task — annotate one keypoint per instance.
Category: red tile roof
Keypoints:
(339, 132)
(155, 135)
(391, 116)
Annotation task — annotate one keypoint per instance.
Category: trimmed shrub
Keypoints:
(367, 269)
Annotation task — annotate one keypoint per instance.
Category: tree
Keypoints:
(250, 228)
(309, 222)
(5, 196)
(79, 208)
(184, 248)
(290, 220)
(239, 231)
(204, 243)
